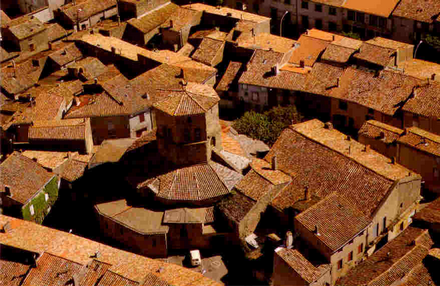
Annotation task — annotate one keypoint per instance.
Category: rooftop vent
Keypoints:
(328, 125)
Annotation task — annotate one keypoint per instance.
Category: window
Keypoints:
(305, 22)
(350, 256)
(318, 24)
(318, 7)
(46, 197)
(382, 22)
(384, 226)
(32, 47)
(106, 225)
(197, 134)
(370, 34)
(360, 17)
(189, 120)
(340, 264)
(351, 15)
(343, 105)
(331, 26)
(238, 5)
(332, 11)
(287, 2)
(187, 135)
(376, 230)
(154, 242)
(255, 96)
(304, 5)
(245, 86)
(35, 63)
(402, 226)
(361, 248)
(110, 126)
(256, 7)
(373, 20)
(346, 28)
(370, 111)
(141, 117)
(31, 209)
(169, 133)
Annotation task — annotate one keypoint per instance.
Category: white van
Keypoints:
(195, 257)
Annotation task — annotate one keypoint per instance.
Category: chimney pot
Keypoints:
(289, 239)
(8, 191)
(274, 163)
(316, 231)
(393, 160)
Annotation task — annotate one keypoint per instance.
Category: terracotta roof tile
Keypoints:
(430, 214)
(420, 69)
(421, 140)
(25, 26)
(236, 206)
(308, 271)
(392, 262)
(422, 11)
(419, 276)
(308, 51)
(4, 19)
(73, 129)
(189, 215)
(266, 41)
(317, 158)
(91, 66)
(337, 54)
(37, 238)
(337, 220)
(190, 99)
(12, 273)
(322, 79)
(384, 92)
(264, 169)
(208, 51)
(23, 176)
(112, 279)
(154, 19)
(254, 186)
(373, 129)
(65, 54)
(259, 72)
(223, 11)
(229, 77)
(52, 270)
(426, 101)
(73, 169)
(55, 32)
(87, 8)
(20, 78)
(376, 54)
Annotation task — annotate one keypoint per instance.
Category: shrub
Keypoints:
(268, 126)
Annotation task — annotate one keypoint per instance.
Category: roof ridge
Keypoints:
(188, 94)
(178, 105)
(218, 176)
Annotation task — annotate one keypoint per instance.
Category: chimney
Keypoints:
(348, 138)
(50, 46)
(8, 191)
(181, 75)
(113, 50)
(328, 125)
(337, 82)
(316, 231)
(301, 63)
(275, 69)
(69, 155)
(307, 194)
(433, 76)
(333, 37)
(274, 163)
(289, 239)
(14, 66)
(171, 24)
(393, 160)
(97, 255)
(95, 80)
(367, 148)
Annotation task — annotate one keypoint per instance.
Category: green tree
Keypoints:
(351, 35)
(268, 126)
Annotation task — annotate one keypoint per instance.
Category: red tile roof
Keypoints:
(65, 54)
(308, 51)
(308, 271)
(20, 78)
(12, 273)
(384, 92)
(421, 140)
(426, 101)
(154, 19)
(392, 262)
(83, 9)
(430, 214)
(338, 54)
(72, 170)
(322, 79)
(189, 99)
(236, 206)
(24, 177)
(374, 129)
(422, 11)
(337, 220)
(229, 77)
(67, 129)
(375, 54)
(374, 7)
(208, 51)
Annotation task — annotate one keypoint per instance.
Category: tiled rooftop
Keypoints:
(383, 92)
(420, 69)
(421, 140)
(12, 273)
(322, 78)
(23, 176)
(4, 19)
(337, 54)
(308, 271)
(87, 8)
(236, 207)
(91, 67)
(375, 54)
(191, 98)
(229, 77)
(65, 54)
(422, 11)
(393, 261)
(224, 11)
(20, 78)
(189, 215)
(266, 41)
(430, 213)
(70, 129)
(55, 32)
(338, 221)
(426, 101)
(72, 170)
(154, 19)
(208, 51)
(37, 238)
(25, 26)
(373, 129)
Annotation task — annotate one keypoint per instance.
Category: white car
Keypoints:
(195, 257)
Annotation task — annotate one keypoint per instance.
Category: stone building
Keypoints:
(136, 9)
(28, 191)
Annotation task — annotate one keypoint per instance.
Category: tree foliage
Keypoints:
(267, 126)
(431, 40)
(351, 35)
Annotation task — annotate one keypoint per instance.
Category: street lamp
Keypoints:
(415, 53)
(281, 23)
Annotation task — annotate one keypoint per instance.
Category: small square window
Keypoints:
(340, 264)
(360, 17)
(382, 22)
(141, 117)
(350, 256)
(332, 26)
(287, 2)
(305, 22)
(318, 24)
(332, 11)
(318, 7)
(402, 226)
(304, 5)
